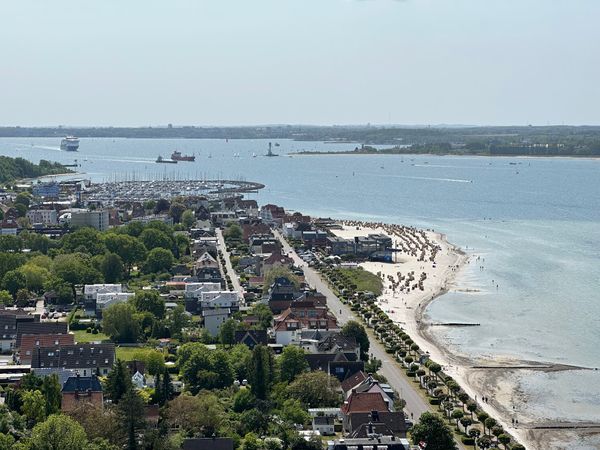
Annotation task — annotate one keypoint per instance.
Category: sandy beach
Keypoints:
(407, 309)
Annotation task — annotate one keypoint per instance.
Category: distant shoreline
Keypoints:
(388, 153)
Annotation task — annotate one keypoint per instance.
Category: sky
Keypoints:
(322, 62)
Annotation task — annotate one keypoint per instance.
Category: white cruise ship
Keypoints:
(70, 144)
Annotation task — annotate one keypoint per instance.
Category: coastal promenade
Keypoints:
(415, 404)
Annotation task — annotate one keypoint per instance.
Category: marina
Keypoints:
(112, 192)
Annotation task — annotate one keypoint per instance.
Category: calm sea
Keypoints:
(535, 223)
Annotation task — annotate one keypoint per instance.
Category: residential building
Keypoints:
(91, 291)
(34, 328)
(42, 216)
(370, 443)
(98, 219)
(214, 318)
(106, 299)
(325, 425)
(8, 227)
(86, 359)
(9, 320)
(46, 190)
(301, 316)
(29, 342)
(251, 338)
(79, 390)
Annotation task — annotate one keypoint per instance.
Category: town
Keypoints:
(141, 315)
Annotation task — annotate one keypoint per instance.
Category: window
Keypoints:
(37, 343)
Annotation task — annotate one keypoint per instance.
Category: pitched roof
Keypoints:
(388, 423)
(40, 328)
(29, 341)
(364, 402)
(82, 384)
(321, 361)
(353, 381)
(74, 356)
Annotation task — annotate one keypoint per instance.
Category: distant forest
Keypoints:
(14, 168)
(512, 140)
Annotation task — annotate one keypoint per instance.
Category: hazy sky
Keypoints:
(244, 62)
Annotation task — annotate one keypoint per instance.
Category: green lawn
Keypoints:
(131, 353)
(82, 336)
(364, 280)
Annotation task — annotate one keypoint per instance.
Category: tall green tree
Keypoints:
(111, 266)
(84, 240)
(34, 405)
(227, 332)
(131, 414)
(51, 389)
(432, 430)
(261, 371)
(188, 219)
(315, 389)
(118, 381)
(153, 238)
(292, 363)
(13, 281)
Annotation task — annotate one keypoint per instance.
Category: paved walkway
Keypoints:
(235, 281)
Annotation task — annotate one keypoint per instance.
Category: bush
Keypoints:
(88, 330)
(468, 440)
(434, 401)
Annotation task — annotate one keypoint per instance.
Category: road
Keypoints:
(415, 405)
(235, 281)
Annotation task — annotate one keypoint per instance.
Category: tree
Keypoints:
(202, 369)
(466, 422)
(35, 277)
(188, 219)
(504, 439)
(162, 205)
(159, 260)
(292, 363)
(354, 329)
(34, 405)
(227, 332)
(130, 249)
(6, 441)
(176, 211)
(51, 389)
(75, 268)
(261, 371)
(457, 414)
(293, 412)
(264, 315)
(58, 432)
(432, 430)
(13, 281)
(5, 298)
(131, 413)
(279, 272)
(118, 381)
(99, 422)
(111, 266)
(149, 301)
(471, 407)
(202, 413)
(233, 231)
(85, 240)
(435, 368)
(243, 400)
(240, 356)
(177, 320)
(484, 442)
(315, 389)
(120, 323)
(153, 238)
(489, 423)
